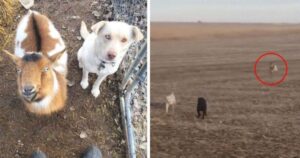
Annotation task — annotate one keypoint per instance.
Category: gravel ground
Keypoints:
(135, 13)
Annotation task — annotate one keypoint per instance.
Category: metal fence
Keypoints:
(133, 88)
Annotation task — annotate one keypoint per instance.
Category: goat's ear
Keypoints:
(56, 56)
(98, 26)
(137, 34)
(13, 57)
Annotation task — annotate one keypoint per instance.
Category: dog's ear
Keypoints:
(97, 27)
(137, 34)
(13, 57)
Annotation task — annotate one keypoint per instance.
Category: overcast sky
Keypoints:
(267, 11)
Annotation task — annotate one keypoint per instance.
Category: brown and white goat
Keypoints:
(41, 60)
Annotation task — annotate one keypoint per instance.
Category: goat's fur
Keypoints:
(171, 101)
(41, 59)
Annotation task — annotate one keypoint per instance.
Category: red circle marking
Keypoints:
(276, 82)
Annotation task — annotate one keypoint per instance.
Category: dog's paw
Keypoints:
(84, 84)
(95, 92)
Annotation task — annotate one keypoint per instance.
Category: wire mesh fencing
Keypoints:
(133, 89)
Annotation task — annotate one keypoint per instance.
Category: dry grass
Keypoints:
(8, 9)
(169, 31)
(245, 119)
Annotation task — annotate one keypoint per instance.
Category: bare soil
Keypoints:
(215, 61)
(58, 134)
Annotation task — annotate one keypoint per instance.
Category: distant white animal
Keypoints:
(171, 101)
(273, 68)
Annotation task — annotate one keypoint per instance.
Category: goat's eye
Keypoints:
(45, 69)
(124, 40)
(108, 37)
(19, 70)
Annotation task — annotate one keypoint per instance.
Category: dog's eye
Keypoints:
(45, 69)
(108, 37)
(124, 40)
(19, 70)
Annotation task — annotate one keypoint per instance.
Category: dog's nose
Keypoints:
(111, 55)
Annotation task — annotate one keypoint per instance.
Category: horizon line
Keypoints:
(224, 22)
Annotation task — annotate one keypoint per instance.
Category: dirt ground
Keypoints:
(215, 61)
(58, 134)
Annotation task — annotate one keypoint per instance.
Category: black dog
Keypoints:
(201, 107)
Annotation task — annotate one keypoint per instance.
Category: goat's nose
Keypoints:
(111, 55)
(28, 89)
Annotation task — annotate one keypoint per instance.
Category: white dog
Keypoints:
(171, 101)
(104, 49)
